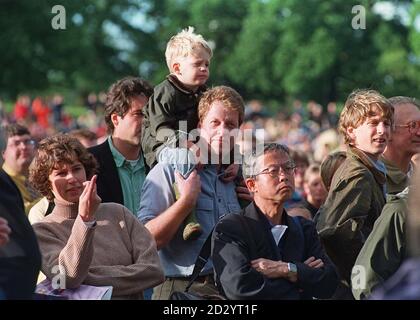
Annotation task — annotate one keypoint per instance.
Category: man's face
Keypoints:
(272, 188)
(371, 136)
(216, 127)
(406, 140)
(193, 70)
(19, 153)
(128, 128)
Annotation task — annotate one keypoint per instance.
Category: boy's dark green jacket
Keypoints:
(170, 103)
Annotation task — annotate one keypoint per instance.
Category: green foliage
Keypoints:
(266, 49)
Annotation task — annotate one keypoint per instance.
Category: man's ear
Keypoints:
(251, 185)
(114, 119)
(350, 133)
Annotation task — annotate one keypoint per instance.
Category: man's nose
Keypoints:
(381, 128)
(283, 176)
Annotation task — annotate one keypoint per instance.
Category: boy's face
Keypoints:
(371, 136)
(193, 70)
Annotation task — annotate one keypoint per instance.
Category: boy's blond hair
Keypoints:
(183, 44)
(360, 105)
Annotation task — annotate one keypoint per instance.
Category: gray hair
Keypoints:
(249, 167)
(398, 100)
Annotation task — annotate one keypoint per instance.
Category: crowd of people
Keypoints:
(310, 205)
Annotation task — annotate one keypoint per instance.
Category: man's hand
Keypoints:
(271, 269)
(4, 232)
(189, 188)
(314, 263)
(243, 193)
(89, 200)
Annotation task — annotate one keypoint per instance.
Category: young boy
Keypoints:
(357, 192)
(171, 112)
(176, 98)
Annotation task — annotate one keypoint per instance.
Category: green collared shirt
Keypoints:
(132, 175)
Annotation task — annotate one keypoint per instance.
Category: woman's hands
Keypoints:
(89, 200)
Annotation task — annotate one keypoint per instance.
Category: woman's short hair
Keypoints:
(360, 105)
(56, 150)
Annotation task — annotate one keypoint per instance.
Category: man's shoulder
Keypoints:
(164, 171)
(233, 223)
(100, 149)
(353, 171)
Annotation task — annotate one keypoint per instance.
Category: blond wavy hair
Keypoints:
(184, 43)
(360, 105)
(230, 98)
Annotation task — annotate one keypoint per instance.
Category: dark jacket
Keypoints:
(354, 202)
(169, 104)
(108, 182)
(20, 258)
(240, 238)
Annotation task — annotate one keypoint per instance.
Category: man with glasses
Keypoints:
(20, 258)
(19, 152)
(263, 253)
(404, 143)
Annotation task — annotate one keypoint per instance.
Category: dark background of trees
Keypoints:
(272, 50)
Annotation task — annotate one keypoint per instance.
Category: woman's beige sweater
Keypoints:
(119, 251)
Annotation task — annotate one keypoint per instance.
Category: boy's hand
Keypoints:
(243, 193)
(230, 173)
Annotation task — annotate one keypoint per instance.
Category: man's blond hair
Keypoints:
(230, 98)
(360, 105)
(184, 43)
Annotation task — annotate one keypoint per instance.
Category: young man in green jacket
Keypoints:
(357, 193)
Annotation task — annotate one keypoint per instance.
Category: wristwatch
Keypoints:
(291, 267)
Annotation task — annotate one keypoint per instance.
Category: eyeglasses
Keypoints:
(288, 167)
(413, 126)
(27, 142)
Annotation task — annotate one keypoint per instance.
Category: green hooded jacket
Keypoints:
(355, 200)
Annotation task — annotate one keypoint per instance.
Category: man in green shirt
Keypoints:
(122, 169)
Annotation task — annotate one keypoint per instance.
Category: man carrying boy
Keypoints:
(357, 193)
(171, 112)
(221, 112)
